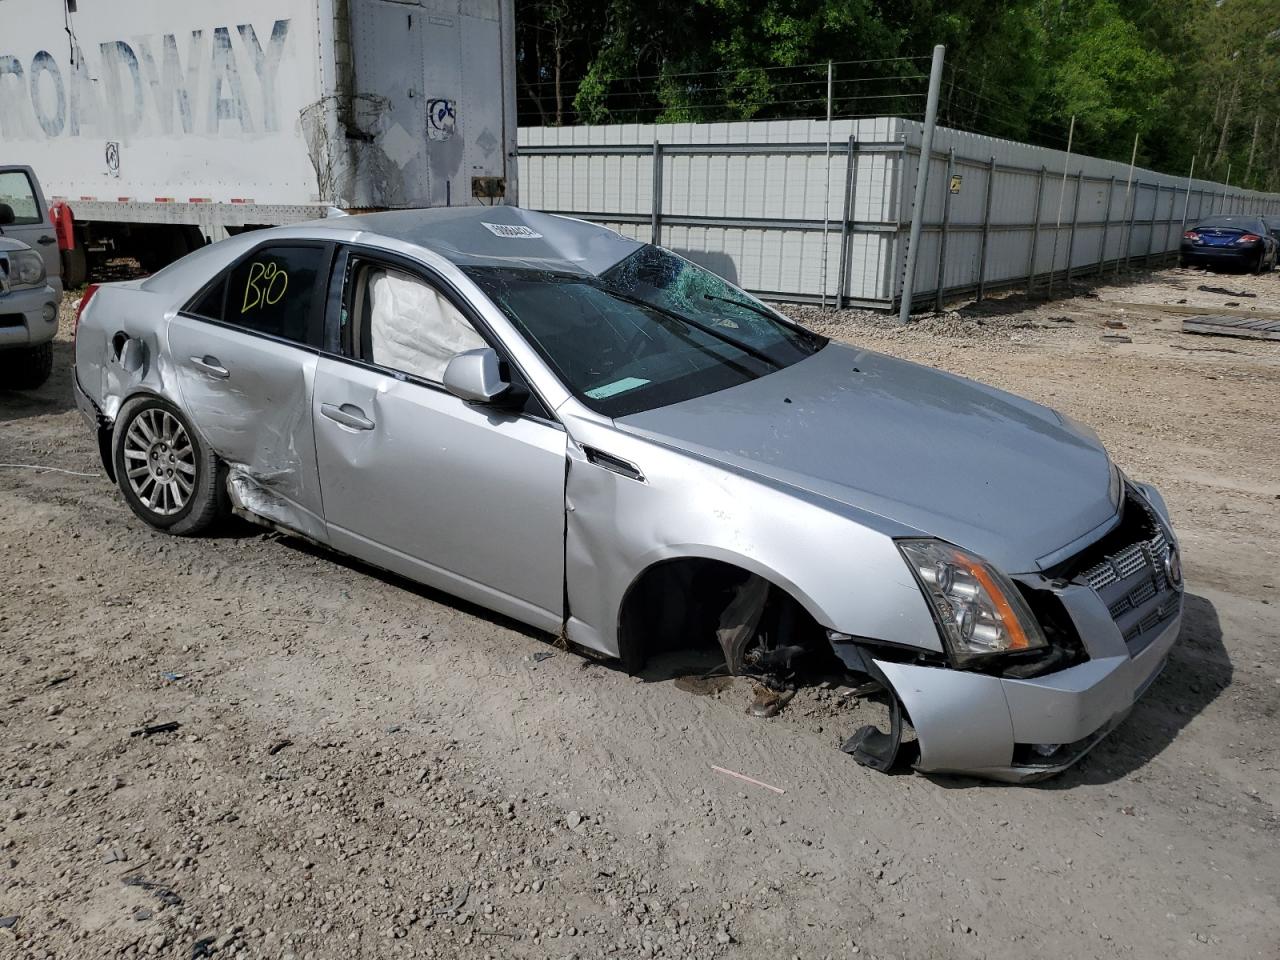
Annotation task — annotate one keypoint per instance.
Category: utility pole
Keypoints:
(1128, 188)
(1062, 193)
(922, 184)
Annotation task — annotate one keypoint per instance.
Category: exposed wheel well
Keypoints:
(676, 604)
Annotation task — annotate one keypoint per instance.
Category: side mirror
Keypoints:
(6, 215)
(474, 375)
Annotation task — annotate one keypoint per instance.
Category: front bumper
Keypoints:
(990, 726)
(1018, 730)
(28, 318)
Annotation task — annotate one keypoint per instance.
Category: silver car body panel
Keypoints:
(450, 493)
(849, 575)
(804, 477)
(256, 415)
(846, 424)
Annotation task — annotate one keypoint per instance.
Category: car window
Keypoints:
(272, 291)
(16, 191)
(653, 330)
(399, 321)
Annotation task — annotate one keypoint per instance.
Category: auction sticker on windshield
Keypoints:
(615, 388)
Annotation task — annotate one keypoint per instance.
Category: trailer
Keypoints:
(157, 126)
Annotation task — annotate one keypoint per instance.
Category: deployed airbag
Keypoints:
(413, 328)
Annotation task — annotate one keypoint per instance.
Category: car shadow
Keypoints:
(1197, 671)
(51, 398)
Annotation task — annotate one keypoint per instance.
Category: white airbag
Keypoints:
(413, 328)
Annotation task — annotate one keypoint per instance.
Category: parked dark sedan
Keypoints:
(1240, 241)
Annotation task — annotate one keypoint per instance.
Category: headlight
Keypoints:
(979, 609)
(26, 269)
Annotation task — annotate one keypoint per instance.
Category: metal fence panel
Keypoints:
(756, 202)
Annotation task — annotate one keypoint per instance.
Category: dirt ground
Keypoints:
(365, 768)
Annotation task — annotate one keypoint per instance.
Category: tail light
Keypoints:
(1192, 236)
(89, 291)
(1248, 238)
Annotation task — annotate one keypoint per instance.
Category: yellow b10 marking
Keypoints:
(265, 286)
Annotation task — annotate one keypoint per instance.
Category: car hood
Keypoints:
(948, 457)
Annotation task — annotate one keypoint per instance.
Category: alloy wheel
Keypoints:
(160, 461)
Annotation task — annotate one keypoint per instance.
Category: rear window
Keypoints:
(276, 290)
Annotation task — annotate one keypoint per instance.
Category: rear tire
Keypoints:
(27, 368)
(168, 475)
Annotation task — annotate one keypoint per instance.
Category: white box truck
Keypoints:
(155, 125)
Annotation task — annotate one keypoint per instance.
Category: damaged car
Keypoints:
(603, 440)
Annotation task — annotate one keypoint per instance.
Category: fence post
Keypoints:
(1133, 216)
(946, 224)
(655, 214)
(922, 184)
(1106, 227)
(986, 231)
(1035, 233)
(1151, 228)
(1075, 216)
(849, 181)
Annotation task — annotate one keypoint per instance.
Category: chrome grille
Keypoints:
(1133, 584)
(1124, 564)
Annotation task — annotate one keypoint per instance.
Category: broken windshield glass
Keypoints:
(653, 330)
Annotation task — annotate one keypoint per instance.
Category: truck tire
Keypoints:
(178, 484)
(75, 268)
(27, 368)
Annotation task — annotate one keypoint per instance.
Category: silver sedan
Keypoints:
(601, 439)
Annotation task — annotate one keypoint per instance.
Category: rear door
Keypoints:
(20, 191)
(464, 497)
(244, 352)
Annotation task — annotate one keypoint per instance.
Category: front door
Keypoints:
(466, 498)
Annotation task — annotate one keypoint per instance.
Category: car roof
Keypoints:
(472, 236)
(499, 236)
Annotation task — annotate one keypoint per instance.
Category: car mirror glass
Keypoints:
(475, 376)
(6, 215)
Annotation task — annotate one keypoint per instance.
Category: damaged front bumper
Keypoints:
(1018, 730)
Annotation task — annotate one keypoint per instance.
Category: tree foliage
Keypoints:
(1188, 77)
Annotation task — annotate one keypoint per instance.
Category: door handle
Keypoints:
(211, 366)
(45, 240)
(349, 415)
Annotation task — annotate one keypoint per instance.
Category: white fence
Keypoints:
(786, 212)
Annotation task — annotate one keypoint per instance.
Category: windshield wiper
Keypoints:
(814, 339)
(709, 331)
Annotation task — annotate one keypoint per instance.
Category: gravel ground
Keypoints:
(366, 768)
